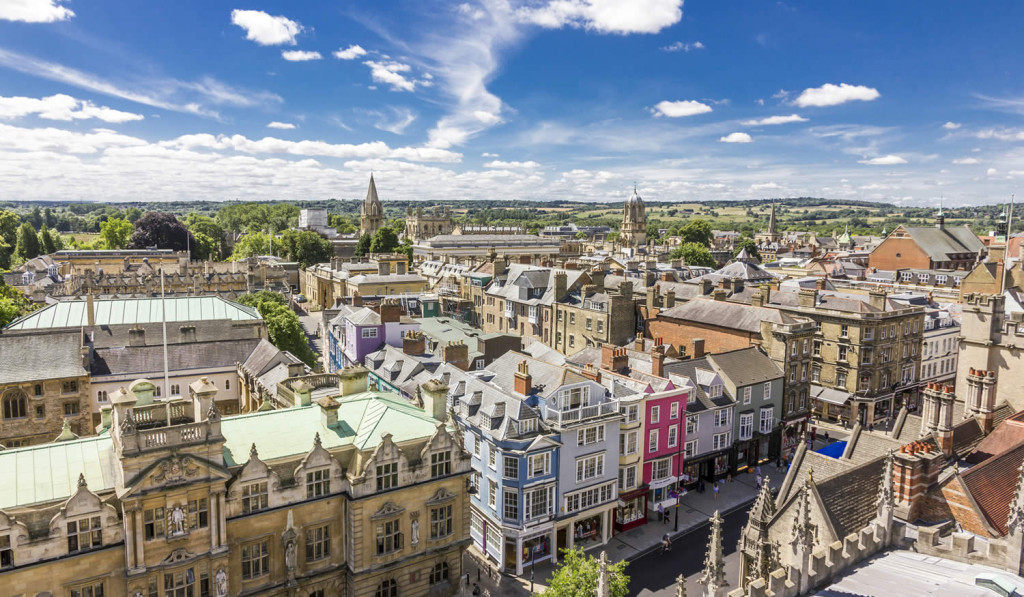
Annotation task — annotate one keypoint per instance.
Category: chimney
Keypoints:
(725, 284)
(588, 289)
(136, 337)
(658, 361)
(626, 289)
(981, 397)
(500, 266)
(638, 344)
(698, 348)
(90, 310)
(352, 380)
(676, 263)
(400, 267)
(807, 297)
(524, 382)
(597, 277)
(607, 356)
(525, 259)
(820, 283)
(560, 286)
(670, 299)
(390, 311)
(916, 467)
(719, 294)
(296, 369)
(457, 354)
(666, 277)
(705, 286)
(357, 299)
(590, 372)
(383, 268)
(757, 299)
(414, 343)
(188, 333)
(876, 298)
(329, 411)
(203, 395)
(652, 299)
(434, 394)
(303, 393)
(649, 277)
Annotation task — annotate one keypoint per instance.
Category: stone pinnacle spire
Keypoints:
(713, 577)
(804, 530)
(680, 586)
(1015, 522)
(604, 585)
(886, 498)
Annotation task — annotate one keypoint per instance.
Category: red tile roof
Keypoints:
(1002, 438)
(993, 483)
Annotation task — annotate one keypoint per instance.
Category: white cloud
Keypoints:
(680, 108)
(991, 171)
(300, 55)
(736, 138)
(63, 141)
(395, 122)
(350, 53)
(605, 16)
(511, 165)
(391, 74)
(61, 107)
(965, 161)
(488, 155)
(886, 160)
(273, 145)
(265, 29)
(951, 126)
(775, 120)
(681, 47)
(833, 95)
(34, 11)
(1001, 134)
(280, 125)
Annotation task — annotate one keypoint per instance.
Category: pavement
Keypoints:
(642, 546)
(309, 323)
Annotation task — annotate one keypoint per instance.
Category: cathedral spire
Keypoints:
(371, 217)
(713, 577)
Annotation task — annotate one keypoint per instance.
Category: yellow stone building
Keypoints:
(349, 493)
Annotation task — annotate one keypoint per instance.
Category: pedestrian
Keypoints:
(871, 426)
(759, 481)
(661, 512)
(728, 476)
(666, 543)
(715, 489)
(778, 464)
(668, 515)
(826, 437)
(758, 470)
(700, 486)
(476, 589)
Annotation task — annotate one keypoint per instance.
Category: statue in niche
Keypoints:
(221, 580)
(415, 531)
(177, 516)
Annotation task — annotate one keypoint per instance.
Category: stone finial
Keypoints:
(316, 440)
(604, 585)
(713, 577)
(81, 480)
(252, 452)
(127, 423)
(804, 531)
(680, 586)
(886, 497)
(1015, 521)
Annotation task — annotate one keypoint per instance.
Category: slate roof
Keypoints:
(139, 360)
(135, 311)
(405, 372)
(545, 377)
(263, 357)
(992, 485)
(850, 496)
(385, 279)
(746, 366)
(487, 405)
(735, 316)
(533, 277)
(699, 373)
(939, 243)
(36, 357)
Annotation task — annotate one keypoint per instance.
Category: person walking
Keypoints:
(661, 512)
(714, 487)
(666, 544)
(778, 464)
(668, 515)
(757, 470)
(759, 481)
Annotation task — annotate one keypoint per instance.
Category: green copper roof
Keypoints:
(362, 419)
(50, 472)
(135, 310)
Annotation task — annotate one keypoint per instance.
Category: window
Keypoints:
(590, 435)
(691, 424)
(631, 412)
(492, 457)
(627, 478)
(227, 384)
(844, 331)
(540, 464)
(652, 441)
(318, 483)
(69, 387)
(254, 497)
(793, 348)
(88, 590)
(767, 420)
(441, 520)
(540, 502)
(15, 405)
(70, 409)
(153, 523)
(906, 276)
(767, 390)
(590, 497)
(388, 588)
(387, 476)
(600, 326)
(179, 584)
(510, 504)
(721, 417)
(511, 469)
(746, 426)
(869, 333)
(716, 390)
(673, 412)
(439, 573)
(84, 534)
(690, 448)
(175, 389)
(655, 414)
(816, 373)
(660, 469)
(389, 537)
(156, 391)
(865, 356)
(843, 350)
(441, 463)
(817, 348)
(40, 412)
(589, 323)
(198, 514)
(746, 395)
(628, 442)
(572, 340)
(817, 327)
(101, 396)
(572, 319)
(255, 560)
(841, 379)
(720, 441)
(589, 467)
(6, 553)
(673, 433)
(38, 389)
(492, 493)
(369, 332)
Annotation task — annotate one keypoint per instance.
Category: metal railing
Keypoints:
(581, 413)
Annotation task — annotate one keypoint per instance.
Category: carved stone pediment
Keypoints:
(442, 496)
(178, 555)
(175, 470)
(388, 510)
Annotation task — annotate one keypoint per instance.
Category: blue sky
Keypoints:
(530, 99)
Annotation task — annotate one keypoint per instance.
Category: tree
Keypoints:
(255, 243)
(694, 254)
(46, 244)
(363, 246)
(161, 230)
(750, 246)
(27, 246)
(116, 232)
(697, 231)
(6, 251)
(384, 241)
(13, 304)
(577, 575)
(132, 214)
(9, 227)
(306, 247)
(283, 325)
(214, 247)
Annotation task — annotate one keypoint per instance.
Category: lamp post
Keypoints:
(533, 563)
(679, 474)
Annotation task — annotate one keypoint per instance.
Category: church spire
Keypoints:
(371, 216)
(773, 224)
(371, 193)
(713, 577)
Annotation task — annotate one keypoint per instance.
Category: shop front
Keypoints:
(830, 405)
(791, 432)
(632, 510)
(588, 531)
(708, 467)
(528, 548)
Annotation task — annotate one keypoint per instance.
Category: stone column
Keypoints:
(140, 559)
(215, 522)
(519, 556)
(606, 524)
(222, 527)
(554, 545)
(129, 538)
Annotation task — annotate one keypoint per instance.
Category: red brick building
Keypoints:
(926, 247)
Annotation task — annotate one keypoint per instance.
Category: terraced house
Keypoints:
(544, 441)
(365, 496)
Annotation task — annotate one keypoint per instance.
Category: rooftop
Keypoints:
(73, 314)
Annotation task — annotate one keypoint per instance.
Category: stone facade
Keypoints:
(991, 341)
(633, 231)
(371, 215)
(421, 225)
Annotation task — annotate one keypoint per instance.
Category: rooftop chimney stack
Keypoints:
(524, 381)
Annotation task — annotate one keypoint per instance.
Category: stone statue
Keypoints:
(177, 520)
(415, 531)
(289, 558)
(222, 583)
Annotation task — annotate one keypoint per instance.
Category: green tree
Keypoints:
(697, 231)
(215, 246)
(283, 325)
(13, 304)
(255, 243)
(46, 244)
(306, 247)
(115, 233)
(6, 251)
(750, 246)
(132, 214)
(577, 575)
(363, 246)
(27, 246)
(384, 241)
(9, 227)
(694, 254)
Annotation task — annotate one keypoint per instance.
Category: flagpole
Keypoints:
(163, 318)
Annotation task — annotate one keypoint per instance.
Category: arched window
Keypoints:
(15, 404)
(156, 391)
(388, 588)
(227, 384)
(439, 573)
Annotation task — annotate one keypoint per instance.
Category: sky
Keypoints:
(905, 102)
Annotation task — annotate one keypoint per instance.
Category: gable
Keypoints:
(175, 470)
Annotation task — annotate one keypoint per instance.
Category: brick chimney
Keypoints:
(725, 284)
(820, 283)
(807, 297)
(500, 266)
(626, 289)
(561, 286)
(90, 309)
(658, 360)
(698, 348)
(916, 467)
(414, 342)
(705, 286)
(667, 277)
(638, 343)
(757, 299)
(457, 354)
(357, 299)
(136, 337)
(981, 397)
(670, 299)
(390, 311)
(719, 294)
(524, 382)
(591, 372)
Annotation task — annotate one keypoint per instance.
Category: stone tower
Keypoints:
(633, 232)
(371, 217)
(757, 552)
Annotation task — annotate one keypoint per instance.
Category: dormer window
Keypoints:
(387, 476)
(84, 534)
(715, 391)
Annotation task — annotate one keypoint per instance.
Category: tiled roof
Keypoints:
(40, 356)
(127, 360)
(735, 316)
(746, 366)
(850, 496)
(940, 242)
(135, 311)
(992, 485)
(1003, 437)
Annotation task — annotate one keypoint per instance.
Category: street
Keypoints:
(309, 323)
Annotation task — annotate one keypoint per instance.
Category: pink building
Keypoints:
(664, 426)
